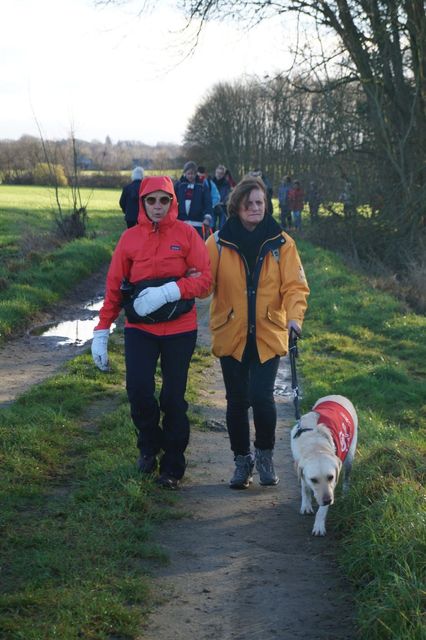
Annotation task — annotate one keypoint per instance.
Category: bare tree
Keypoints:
(386, 46)
(71, 224)
(274, 124)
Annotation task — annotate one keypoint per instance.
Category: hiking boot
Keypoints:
(243, 473)
(265, 467)
(147, 464)
(167, 481)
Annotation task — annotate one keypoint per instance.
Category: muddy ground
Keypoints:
(29, 359)
(243, 564)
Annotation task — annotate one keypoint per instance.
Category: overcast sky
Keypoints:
(108, 71)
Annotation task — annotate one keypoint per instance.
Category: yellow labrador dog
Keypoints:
(322, 443)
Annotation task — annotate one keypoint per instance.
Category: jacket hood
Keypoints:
(157, 183)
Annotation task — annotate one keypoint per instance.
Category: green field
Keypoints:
(36, 267)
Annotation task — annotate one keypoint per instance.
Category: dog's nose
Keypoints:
(326, 502)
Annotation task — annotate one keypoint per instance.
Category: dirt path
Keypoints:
(243, 564)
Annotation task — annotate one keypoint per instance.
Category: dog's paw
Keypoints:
(306, 508)
(319, 530)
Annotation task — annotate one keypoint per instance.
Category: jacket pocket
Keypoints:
(277, 317)
(221, 318)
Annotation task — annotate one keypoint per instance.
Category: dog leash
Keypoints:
(293, 353)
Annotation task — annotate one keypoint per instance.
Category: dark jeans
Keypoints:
(250, 384)
(142, 352)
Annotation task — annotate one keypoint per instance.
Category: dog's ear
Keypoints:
(309, 420)
(338, 463)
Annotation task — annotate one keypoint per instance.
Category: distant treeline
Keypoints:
(98, 164)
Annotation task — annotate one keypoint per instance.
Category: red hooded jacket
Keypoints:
(157, 250)
(296, 199)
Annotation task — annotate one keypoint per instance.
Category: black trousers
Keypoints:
(142, 351)
(250, 384)
(285, 217)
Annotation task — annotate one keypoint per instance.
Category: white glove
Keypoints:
(293, 325)
(100, 348)
(152, 298)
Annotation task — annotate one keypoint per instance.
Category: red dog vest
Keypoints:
(341, 425)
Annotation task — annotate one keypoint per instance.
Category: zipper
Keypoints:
(251, 280)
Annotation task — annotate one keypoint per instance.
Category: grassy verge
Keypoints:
(35, 269)
(362, 343)
(77, 521)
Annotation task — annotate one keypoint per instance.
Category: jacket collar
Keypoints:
(273, 239)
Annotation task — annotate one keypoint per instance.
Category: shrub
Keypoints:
(113, 180)
(50, 174)
(17, 177)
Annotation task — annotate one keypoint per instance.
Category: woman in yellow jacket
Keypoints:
(259, 294)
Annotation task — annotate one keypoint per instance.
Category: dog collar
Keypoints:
(300, 431)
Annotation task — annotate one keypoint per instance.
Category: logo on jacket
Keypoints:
(175, 247)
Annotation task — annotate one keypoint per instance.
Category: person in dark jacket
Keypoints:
(210, 184)
(284, 189)
(193, 196)
(313, 199)
(129, 199)
(224, 188)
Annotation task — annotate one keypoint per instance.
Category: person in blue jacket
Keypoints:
(209, 183)
(193, 196)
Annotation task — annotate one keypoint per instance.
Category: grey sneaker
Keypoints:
(265, 467)
(243, 473)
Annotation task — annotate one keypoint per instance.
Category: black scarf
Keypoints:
(249, 242)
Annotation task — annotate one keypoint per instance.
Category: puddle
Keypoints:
(75, 332)
(283, 379)
(72, 332)
(94, 305)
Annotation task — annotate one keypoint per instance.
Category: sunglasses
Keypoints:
(162, 200)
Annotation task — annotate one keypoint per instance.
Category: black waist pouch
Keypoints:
(168, 311)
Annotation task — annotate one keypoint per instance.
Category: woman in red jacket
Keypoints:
(157, 269)
(296, 199)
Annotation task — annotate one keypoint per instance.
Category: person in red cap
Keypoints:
(157, 269)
